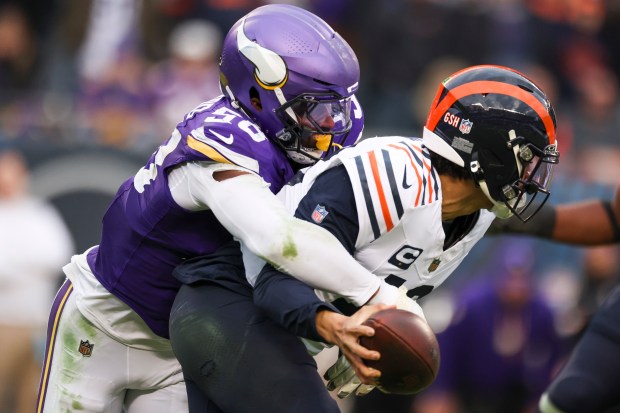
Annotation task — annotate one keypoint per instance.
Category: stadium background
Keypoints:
(88, 89)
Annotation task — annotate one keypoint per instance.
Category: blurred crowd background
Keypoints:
(89, 88)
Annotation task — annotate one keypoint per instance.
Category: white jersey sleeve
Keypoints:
(251, 213)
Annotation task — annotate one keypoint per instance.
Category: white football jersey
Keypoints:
(398, 197)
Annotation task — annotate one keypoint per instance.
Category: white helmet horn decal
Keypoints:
(269, 68)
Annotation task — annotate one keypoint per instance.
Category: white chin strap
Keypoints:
(500, 209)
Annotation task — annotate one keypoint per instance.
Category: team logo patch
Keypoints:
(434, 265)
(86, 349)
(319, 214)
(465, 126)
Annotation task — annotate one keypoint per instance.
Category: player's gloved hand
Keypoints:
(342, 377)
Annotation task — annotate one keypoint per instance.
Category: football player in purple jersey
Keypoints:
(288, 83)
(589, 380)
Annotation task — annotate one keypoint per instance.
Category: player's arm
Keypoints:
(243, 204)
(295, 306)
(330, 204)
(292, 304)
(592, 222)
(588, 223)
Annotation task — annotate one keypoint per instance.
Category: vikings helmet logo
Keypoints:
(269, 68)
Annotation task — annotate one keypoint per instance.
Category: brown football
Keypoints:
(409, 351)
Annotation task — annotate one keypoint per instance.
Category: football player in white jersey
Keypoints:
(407, 209)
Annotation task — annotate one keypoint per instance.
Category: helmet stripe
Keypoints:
(487, 86)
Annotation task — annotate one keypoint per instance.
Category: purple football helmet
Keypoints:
(302, 71)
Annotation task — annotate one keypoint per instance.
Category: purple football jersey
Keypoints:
(145, 234)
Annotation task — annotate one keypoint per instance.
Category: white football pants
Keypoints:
(86, 370)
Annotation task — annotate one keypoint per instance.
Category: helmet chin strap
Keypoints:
(500, 210)
(503, 210)
(233, 100)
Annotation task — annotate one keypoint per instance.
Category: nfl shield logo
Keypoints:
(319, 214)
(86, 349)
(465, 126)
(434, 265)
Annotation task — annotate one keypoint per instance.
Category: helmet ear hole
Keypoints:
(254, 93)
(255, 99)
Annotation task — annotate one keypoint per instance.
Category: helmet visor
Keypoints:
(538, 173)
(323, 116)
(539, 169)
(311, 122)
